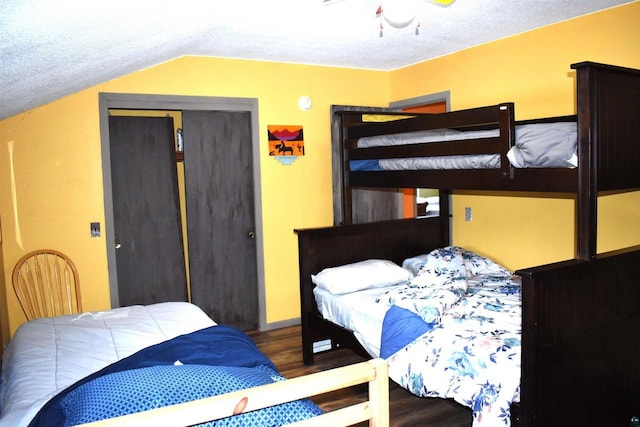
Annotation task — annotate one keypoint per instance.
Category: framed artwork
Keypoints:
(286, 142)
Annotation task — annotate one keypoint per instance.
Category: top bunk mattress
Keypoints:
(550, 145)
(47, 355)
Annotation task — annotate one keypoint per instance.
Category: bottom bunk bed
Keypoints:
(574, 359)
(165, 364)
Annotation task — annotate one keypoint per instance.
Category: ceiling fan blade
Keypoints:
(444, 3)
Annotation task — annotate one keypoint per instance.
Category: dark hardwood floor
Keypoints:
(284, 348)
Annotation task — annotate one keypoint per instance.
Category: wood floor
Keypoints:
(284, 348)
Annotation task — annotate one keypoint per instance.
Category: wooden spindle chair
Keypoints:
(46, 283)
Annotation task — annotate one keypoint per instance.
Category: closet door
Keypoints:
(218, 162)
(147, 225)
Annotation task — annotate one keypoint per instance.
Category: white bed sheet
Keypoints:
(47, 355)
(358, 312)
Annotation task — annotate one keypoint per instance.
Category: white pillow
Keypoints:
(413, 264)
(372, 273)
(545, 145)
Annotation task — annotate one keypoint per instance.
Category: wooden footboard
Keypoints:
(375, 410)
(581, 341)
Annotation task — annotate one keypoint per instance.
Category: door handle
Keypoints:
(118, 245)
(251, 235)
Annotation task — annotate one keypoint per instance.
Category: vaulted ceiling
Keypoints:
(50, 49)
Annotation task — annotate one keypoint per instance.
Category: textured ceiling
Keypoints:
(49, 49)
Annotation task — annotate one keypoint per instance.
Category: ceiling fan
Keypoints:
(400, 13)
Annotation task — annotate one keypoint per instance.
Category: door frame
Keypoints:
(446, 199)
(431, 98)
(128, 101)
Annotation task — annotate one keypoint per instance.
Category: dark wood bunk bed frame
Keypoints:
(581, 317)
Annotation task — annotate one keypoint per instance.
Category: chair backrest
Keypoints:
(46, 283)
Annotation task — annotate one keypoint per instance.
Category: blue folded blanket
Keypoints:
(364, 165)
(212, 361)
(400, 327)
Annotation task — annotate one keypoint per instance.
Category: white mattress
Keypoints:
(47, 355)
(536, 145)
(480, 161)
(357, 312)
(424, 136)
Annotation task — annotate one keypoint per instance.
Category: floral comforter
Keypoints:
(464, 337)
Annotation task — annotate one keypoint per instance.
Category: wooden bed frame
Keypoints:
(581, 317)
(375, 409)
(580, 330)
(608, 105)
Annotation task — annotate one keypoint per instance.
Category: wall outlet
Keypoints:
(468, 214)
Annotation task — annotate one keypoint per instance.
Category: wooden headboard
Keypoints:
(320, 248)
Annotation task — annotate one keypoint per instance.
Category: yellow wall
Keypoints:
(532, 70)
(4, 315)
(54, 150)
(58, 169)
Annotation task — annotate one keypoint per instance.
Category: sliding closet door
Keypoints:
(147, 225)
(220, 215)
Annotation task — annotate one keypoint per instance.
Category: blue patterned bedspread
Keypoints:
(208, 362)
(454, 332)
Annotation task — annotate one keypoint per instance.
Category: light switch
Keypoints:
(95, 229)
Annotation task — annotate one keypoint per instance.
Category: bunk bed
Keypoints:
(580, 317)
(165, 364)
(607, 151)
